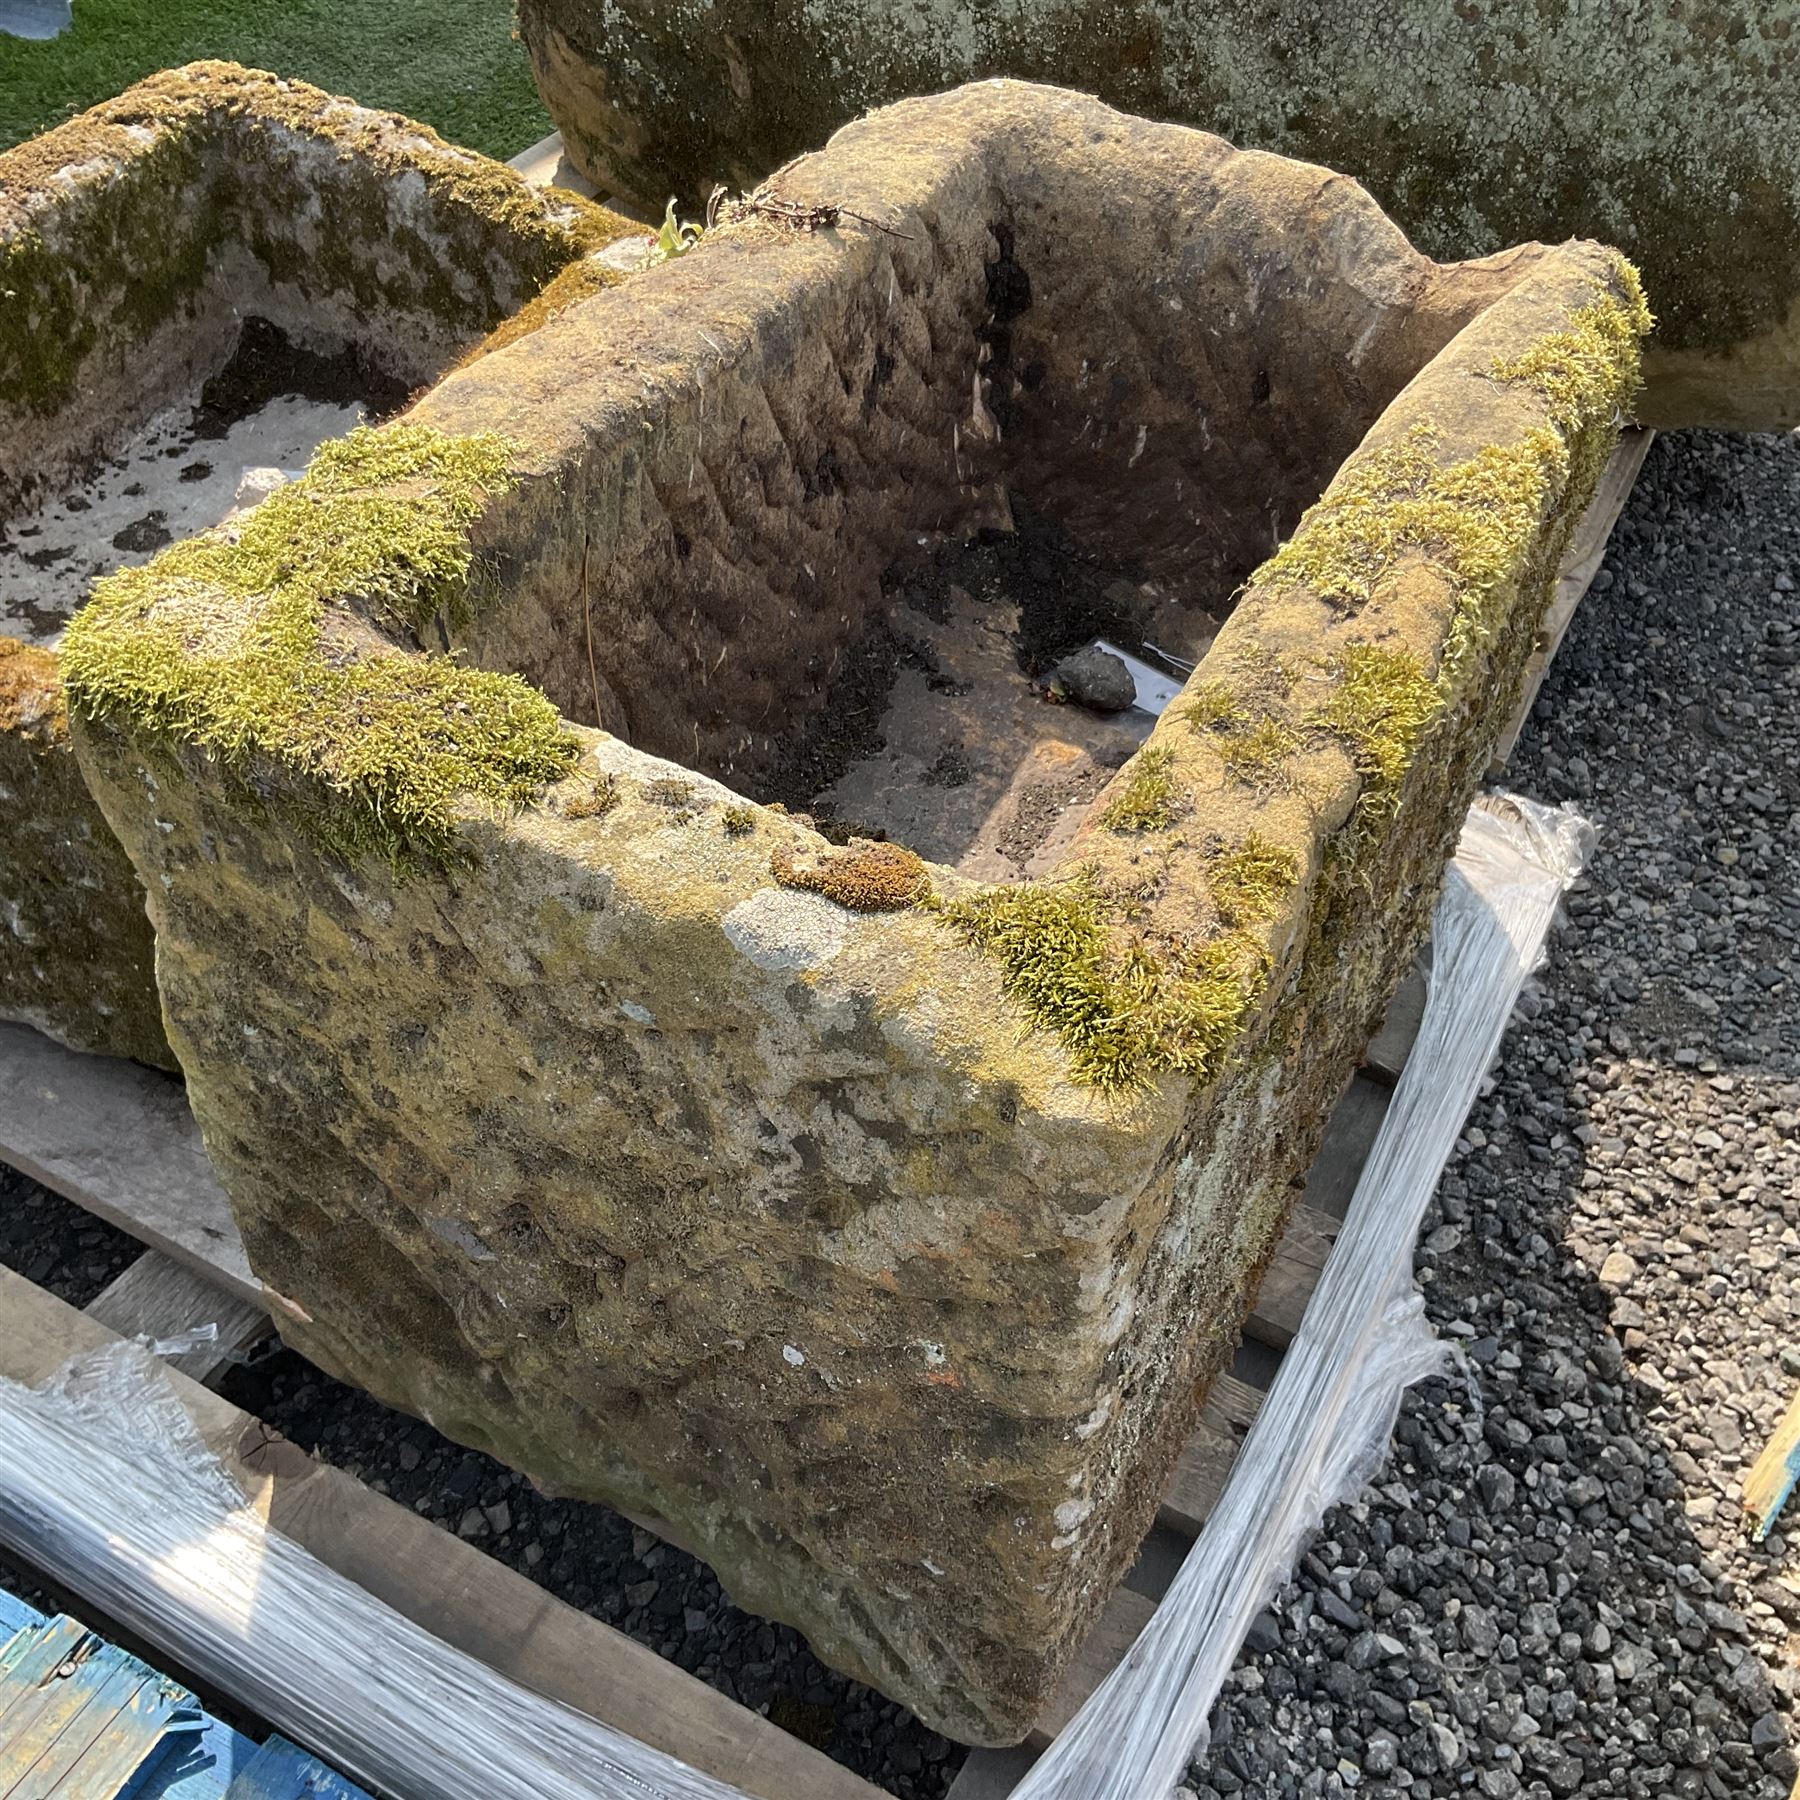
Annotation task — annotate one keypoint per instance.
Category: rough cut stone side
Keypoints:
(1664, 130)
(76, 958)
(133, 241)
(602, 1134)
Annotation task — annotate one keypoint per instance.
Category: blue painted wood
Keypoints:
(72, 1718)
(108, 1727)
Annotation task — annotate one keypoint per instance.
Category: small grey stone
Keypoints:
(1096, 679)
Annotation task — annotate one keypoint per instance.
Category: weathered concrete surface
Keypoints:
(134, 241)
(1666, 130)
(877, 1228)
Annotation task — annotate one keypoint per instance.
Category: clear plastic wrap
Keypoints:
(1324, 1429)
(104, 1480)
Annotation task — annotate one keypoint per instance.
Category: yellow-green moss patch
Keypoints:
(739, 821)
(1248, 882)
(228, 646)
(1125, 1012)
(1382, 703)
(579, 281)
(864, 876)
(1589, 371)
(601, 797)
(1476, 518)
(1148, 800)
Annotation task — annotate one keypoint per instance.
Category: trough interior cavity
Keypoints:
(182, 470)
(760, 578)
(946, 730)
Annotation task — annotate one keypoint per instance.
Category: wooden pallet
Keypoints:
(118, 1140)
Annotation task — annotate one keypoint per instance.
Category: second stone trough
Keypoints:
(876, 1225)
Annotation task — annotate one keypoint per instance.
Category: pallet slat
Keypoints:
(158, 1297)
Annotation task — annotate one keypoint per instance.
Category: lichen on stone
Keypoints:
(233, 643)
(862, 876)
(1148, 799)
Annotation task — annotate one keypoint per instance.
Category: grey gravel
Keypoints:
(1558, 1543)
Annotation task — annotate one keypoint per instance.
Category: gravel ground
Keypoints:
(57, 1245)
(1550, 1590)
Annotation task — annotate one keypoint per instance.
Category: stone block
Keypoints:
(150, 250)
(877, 1225)
(1664, 130)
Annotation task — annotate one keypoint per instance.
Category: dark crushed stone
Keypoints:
(51, 1241)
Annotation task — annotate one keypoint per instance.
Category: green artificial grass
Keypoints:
(452, 63)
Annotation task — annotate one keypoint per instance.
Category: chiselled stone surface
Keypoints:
(1666, 130)
(876, 1227)
(135, 241)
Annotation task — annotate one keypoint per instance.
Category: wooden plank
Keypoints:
(118, 1139)
(1349, 1136)
(283, 1771)
(450, 1588)
(1206, 1458)
(991, 1774)
(160, 1298)
(1772, 1479)
(1392, 1043)
(1580, 564)
(1292, 1275)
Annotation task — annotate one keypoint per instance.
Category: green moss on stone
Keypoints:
(1382, 704)
(109, 224)
(863, 876)
(1125, 1013)
(1148, 800)
(239, 648)
(1248, 882)
(1589, 371)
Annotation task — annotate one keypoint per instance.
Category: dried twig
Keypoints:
(796, 214)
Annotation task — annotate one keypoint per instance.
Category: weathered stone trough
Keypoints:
(877, 1227)
(211, 222)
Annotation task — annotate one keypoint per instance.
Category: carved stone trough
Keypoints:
(175, 235)
(875, 1225)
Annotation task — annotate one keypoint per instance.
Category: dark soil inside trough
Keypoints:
(941, 731)
(179, 472)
